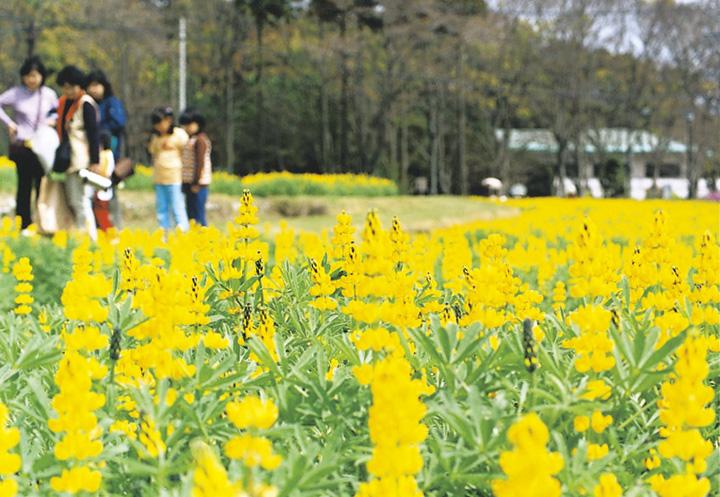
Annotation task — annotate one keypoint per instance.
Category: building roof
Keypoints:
(608, 140)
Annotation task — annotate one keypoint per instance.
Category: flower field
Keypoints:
(283, 183)
(570, 350)
(262, 184)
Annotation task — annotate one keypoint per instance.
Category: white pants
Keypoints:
(79, 197)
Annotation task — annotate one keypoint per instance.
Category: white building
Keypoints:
(642, 150)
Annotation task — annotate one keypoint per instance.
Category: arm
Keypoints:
(51, 116)
(180, 139)
(154, 144)
(7, 98)
(92, 131)
(116, 116)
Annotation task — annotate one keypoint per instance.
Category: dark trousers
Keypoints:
(29, 173)
(195, 204)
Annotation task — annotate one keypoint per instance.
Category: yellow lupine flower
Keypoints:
(331, 369)
(209, 476)
(529, 466)
(252, 412)
(596, 451)
(607, 486)
(215, 340)
(600, 422)
(77, 479)
(8, 488)
(581, 423)
(680, 485)
(597, 389)
(252, 451)
(653, 461)
(151, 439)
(126, 427)
(9, 462)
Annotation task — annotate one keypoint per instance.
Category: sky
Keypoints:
(618, 31)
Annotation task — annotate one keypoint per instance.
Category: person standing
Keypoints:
(112, 120)
(30, 102)
(77, 123)
(197, 166)
(102, 197)
(166, 147)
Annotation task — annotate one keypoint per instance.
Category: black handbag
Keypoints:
(62, 157)
(124, 168)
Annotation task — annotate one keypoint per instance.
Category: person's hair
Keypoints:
(105, 140)
(72, 76)
(33, 64)
(97, 76)
(160, 113)
(193, 116)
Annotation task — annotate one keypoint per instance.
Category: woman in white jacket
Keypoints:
(77, 123)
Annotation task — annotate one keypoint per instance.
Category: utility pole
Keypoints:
(691, 173)
(30, 40)
(182, 66)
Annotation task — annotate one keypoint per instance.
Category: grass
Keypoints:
(314, 213)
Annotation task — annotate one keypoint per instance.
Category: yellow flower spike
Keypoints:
(22, 271)
(529, 461)
(396, 453)
(209, 476)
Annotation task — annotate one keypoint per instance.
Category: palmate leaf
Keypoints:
(38, 353)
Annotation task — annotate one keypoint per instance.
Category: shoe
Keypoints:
(27, 232)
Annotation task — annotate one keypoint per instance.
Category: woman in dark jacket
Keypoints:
(112, 120)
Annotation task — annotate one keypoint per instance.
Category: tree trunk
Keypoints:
(504, 154)
(404, 152)
(392, 150)
(326, 160)
(692, 175)
(259, 103)
(463, 172)
(125, 93)
(31, 37)
(562, 169)
(445, 175)
(361, 119)
(344, 77)
(230, 117)
(582, 167)
(434, 141)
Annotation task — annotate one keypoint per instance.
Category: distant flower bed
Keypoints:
(284, 183)
(261, 184)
